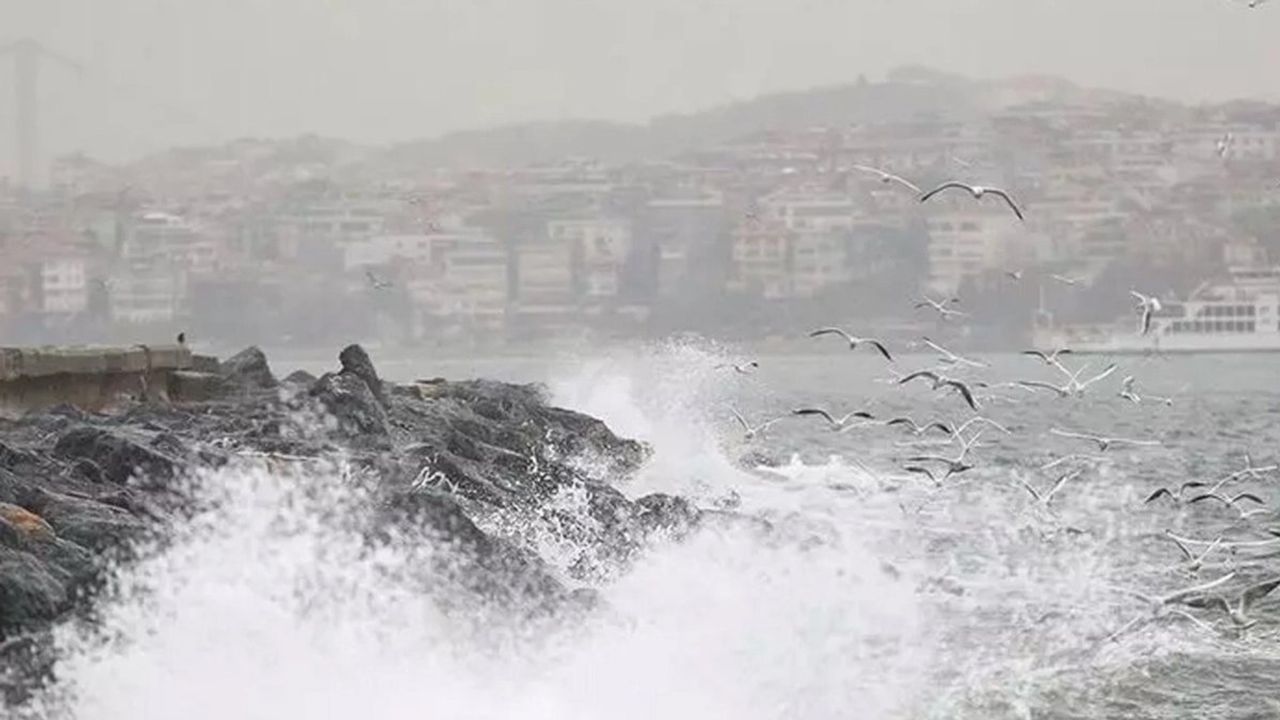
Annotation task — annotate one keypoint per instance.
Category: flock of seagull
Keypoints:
(949, 374)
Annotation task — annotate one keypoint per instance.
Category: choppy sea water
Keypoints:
(888, 597)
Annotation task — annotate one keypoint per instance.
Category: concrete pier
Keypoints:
(88, 377)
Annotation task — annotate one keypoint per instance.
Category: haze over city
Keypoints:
(160, 73)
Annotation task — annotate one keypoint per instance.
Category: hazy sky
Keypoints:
(181, 71)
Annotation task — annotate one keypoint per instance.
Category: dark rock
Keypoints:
(490, 566)
(355, 361)
(119, 457)
(29, 593)
(350, 401)
(248, 370)
(94, 525)
(667, 513)
(300, 377)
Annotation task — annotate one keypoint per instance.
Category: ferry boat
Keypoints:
(1240, 313)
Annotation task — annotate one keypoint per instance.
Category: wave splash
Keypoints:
(267, 605)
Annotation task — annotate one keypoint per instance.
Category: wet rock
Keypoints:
(90, 524)
(119, 457)
(666, 513)
(300, 378)
(355, 361)
(29, 593)
(350, 401)
(191, 386)
(248, 370)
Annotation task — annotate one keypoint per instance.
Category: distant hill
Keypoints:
(907, 93)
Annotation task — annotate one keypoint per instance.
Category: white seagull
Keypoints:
(750, 433)
(888, 177)
(1050, 358)
(1161, 602)
(1239, 613)
(1192, 561)
(1149, 305)
(920, 429)
(1045, 498)
(977, 192)
(941, 306)
(836, 424)
(950, 358)
(1064, 279)
(1073, 386)
(943, 381)
(853, 340)
(1104, 443)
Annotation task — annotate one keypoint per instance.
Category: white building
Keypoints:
(64, 284)
(965, 243)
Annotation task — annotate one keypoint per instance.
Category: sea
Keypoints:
(879, 593)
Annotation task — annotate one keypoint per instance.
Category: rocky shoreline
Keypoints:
(82, 491)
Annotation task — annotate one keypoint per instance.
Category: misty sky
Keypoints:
(182, 71)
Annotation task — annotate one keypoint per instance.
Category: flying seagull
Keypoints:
(839, 424)
(376, 282)
(853, 340)
(1014, 275)
(888, 177)
(950, 358)
(1173, 495)
(977, 191)
(1104, 443)
(1161, 602)
(750, 433)
(1239, 613)
(1073, 386)
(943, 381)
(940, 306)
(1192, 561)
(743, 369)
(1050, 358)
(919, 429)
(1228, 501)
(1149, 305)
(1045, 498)
(1064, 279)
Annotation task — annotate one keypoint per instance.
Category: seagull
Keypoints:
(955, 465)
(376, 282)
(853, 340)
(888, 177)
(1104, 443)
(941, 306)
(957, 433)
(1223, 145)
(1149, 305)
(1228, 501)
(1046, 498)
(920, 429)
(1049, 358)
(1253, 471)
(1244, 602)
(750, 433)
(1014, 275)
(182, 338)
(1064, 279)
(1161, 602)
(950, 358)
(743, 369)
(977, 191)
(1073, 385)
(1126, 390)
(1194, 562)
(840, 424)
(1175, 496)
(941, 381)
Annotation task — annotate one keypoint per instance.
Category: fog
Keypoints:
(502, 173)
(163, 72)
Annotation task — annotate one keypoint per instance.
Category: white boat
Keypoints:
(1234, 315)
